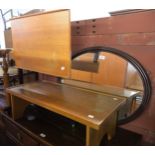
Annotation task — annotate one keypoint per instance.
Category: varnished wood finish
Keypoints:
(41, 42)
(133, 79)
(90, 108)
(94, 137)
(74, 103)
(81, 75)
(108, 69)
(18, 107)
(127, 94)
(121, 92)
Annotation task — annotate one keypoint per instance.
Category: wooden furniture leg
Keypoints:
(18, 107)
(20, 74)
(4, 54)
(94, 137)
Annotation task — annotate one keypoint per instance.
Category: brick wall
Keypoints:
(134, 33)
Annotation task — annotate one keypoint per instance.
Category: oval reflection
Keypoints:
(109, 74)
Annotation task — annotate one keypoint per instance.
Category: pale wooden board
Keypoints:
(41, 42)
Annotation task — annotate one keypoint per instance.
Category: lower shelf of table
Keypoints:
(55, 129)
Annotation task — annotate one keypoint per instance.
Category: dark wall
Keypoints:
(134, 33)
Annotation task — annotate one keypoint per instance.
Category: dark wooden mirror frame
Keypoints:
(141, 70)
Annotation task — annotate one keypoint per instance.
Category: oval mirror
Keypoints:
(113, 72)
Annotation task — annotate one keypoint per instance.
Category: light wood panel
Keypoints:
(41, 42)
(80, 75)
(133, 80)
(112, 71)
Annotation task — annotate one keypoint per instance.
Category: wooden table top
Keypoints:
(87, 107)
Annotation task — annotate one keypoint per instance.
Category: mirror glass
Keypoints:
(111, 74)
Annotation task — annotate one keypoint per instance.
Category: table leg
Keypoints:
(94, 137)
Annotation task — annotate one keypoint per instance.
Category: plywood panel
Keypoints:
(41, 42)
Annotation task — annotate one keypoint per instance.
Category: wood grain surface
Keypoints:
(41, 42)
(84, 106)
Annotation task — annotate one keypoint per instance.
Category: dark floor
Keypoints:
(2, 102)
(122, 138)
